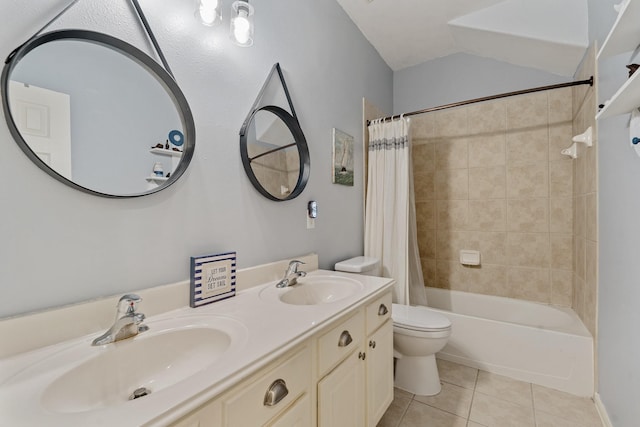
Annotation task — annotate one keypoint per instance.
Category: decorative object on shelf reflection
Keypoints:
(241, 19)
(585, 138)
(634, 130)
(632, 68)
(157, 169)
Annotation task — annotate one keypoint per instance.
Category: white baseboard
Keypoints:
(606, 422)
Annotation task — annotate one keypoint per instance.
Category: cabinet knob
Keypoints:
(362, 355)
(382, 310)
(345, 339)
(275, 393)
(372, 344)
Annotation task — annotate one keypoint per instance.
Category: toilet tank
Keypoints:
(361, 265)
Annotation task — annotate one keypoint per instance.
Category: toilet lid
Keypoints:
(419, 318)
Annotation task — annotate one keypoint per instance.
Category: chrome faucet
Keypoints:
(127, 323)
(291, 275)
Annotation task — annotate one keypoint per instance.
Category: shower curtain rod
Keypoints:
(489, 98)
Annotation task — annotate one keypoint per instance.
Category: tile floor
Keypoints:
(474, 398)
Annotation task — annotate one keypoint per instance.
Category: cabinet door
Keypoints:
(379, 373)
(210, 415)
(341, 394)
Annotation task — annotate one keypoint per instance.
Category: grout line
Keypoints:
(533, 405)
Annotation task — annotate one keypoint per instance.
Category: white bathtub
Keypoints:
(537, 343)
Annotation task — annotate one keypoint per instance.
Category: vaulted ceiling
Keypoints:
(550, 35)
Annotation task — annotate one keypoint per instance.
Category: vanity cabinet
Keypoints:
(340, 376)
(358, 391)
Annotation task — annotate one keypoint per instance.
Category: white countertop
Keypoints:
(272, 328)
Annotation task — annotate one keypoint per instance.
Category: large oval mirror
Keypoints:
(97, 114)
(274, 153)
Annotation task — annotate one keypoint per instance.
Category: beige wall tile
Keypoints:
(591, 287)
(451, 153)
(449, 244)
(560, 135)
(562, 251)
(424, 157)
(531, 284)
(429, 271)
(450, 123)
(527, 110)
(561, 178)
(487, 215)
(487, 150)
(422, 126)
(561, 215)
(424, 186)
(580, 255)
(580, 219)
(452, 184)
(591, 217)
(579, 179)
(451, 275)
(487, 117)
(528, 215)
(452, 214)
(578, 295)
(427, 243)
(487, 183)
(426, 214)
(591, 168)
(528, 146)
(528, 180)
(488, 279)
(528, 249)
(492, 246)
(560, 105)
(561, 287)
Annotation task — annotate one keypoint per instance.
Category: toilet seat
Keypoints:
(419, 319)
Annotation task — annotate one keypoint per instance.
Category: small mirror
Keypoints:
(273, 154)
(97, 114)
(274, 150)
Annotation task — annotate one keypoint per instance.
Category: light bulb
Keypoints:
(241, 29)
(209, 11)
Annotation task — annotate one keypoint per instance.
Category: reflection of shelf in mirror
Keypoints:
(624, 100)
(157, 178)
(625, 34)
(164, 152)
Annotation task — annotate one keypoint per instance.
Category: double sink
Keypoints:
(179, 347)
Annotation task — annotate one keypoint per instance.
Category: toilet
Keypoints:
(418, 334)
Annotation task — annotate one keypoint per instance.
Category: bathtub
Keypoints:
(528, 341)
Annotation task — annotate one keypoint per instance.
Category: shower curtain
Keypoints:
(390, 216)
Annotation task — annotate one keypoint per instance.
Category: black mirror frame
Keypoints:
(291, 121)
(303, 153)
(138, 56)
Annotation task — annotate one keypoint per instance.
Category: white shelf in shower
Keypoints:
(624, 100)
(625, 34)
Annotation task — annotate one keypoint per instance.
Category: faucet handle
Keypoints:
(127, 303)
(293, 265)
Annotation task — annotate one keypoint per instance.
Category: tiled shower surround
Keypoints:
(490, 177)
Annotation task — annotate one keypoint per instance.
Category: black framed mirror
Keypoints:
(97, 114)
(273, 147)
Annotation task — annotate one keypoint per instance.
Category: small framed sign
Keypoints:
(213, 278)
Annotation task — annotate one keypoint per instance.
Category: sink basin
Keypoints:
(171, 351)
(312, 290)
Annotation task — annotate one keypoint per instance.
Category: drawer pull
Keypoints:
(276, 392)
(383, 310)
(372, 344)
(345, 339)
(362, 355)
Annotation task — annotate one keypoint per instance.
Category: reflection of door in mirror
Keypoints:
(274, 155)
(43, 118)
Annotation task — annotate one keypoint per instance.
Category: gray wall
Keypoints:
(619, 234)
(459, 77)
(60, 246)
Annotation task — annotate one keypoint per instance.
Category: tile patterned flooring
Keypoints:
(474, 398)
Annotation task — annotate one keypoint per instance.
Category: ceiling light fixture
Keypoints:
(241, 31)
(209, 12)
